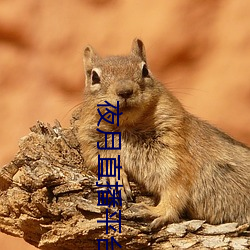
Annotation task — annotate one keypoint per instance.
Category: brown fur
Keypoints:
(191, 166)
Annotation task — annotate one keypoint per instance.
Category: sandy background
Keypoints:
(200, 49)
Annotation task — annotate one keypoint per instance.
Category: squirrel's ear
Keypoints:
(138, 49)
(89, 57)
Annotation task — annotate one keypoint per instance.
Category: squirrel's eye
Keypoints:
(145, 72)
(95, 78)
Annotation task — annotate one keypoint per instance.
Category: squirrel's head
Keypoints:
(126, 79)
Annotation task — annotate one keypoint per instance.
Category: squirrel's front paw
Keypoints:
(141, 211)
(159, 216)
(158, 223)
(139, 207)
(123, 186)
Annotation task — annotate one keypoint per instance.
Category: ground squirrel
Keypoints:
(190, 166)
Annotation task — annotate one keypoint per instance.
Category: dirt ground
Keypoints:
(200, 49)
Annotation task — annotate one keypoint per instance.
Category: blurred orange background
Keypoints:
(200, 49)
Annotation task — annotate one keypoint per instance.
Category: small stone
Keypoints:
(219, 229)
(214, 241)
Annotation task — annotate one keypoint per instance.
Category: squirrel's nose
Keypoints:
(125, 93)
